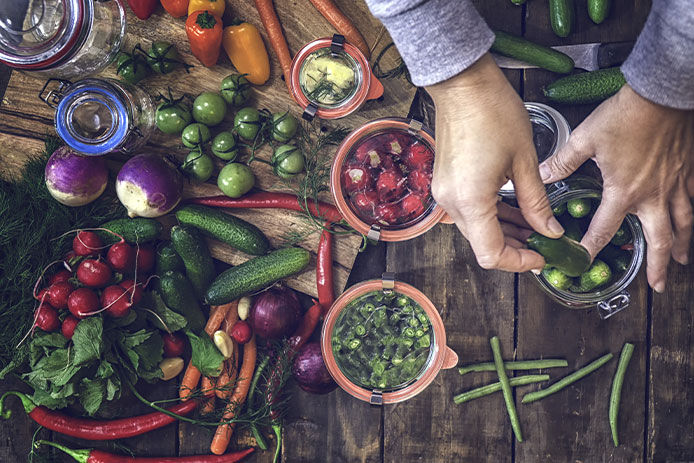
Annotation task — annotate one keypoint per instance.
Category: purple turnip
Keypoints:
(75, 180)
(148, 186)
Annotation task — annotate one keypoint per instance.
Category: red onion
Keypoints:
(310, 372)
(275, 313)
(75, 180)
(148, 186)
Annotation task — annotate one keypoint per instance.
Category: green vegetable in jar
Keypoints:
(328, 78)
(559, 209)
(224, 146)
(623, 235)
(235, 89)
(598, 274)
(579, 207)
(195, 134)
(557, 278)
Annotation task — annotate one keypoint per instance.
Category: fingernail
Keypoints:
(545, 172)
(659, 287)
(554, 226)
(536, 271)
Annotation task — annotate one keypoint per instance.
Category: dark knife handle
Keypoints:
(613, 54)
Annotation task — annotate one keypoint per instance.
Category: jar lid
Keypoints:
(383, 158)
(91, 117)
(550, 133)
(35, 34)
(330, 78)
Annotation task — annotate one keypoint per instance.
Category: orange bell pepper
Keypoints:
(215, 7)
(247, 52)
(175, 8)
(205, 36)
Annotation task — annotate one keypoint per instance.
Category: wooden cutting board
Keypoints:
(25, 120)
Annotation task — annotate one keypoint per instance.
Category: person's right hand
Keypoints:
(484, 138)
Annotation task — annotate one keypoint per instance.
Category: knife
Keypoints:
(588, 56)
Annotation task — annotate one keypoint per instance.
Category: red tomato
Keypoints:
(390, 185)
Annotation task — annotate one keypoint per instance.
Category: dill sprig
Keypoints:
(30, 219)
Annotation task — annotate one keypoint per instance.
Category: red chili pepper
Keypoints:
(271, 200)
(89, 429)
(99, 456)
(324, 269)
(143, 9)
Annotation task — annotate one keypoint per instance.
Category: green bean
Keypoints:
(617, 384)
(506, 388)
(515, 365)
(495, 387)
(566, 380)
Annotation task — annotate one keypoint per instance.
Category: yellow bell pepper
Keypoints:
(215, 7)
(247, 52)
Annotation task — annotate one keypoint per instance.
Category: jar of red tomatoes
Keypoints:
(381, 180)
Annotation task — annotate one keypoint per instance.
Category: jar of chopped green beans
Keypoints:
(383, 341)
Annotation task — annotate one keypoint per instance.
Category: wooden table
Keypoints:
(657, 413)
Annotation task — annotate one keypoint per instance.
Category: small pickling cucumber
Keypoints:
(579, 207)
(193, 250)
(572, 228)
(557, 278)
(168, 259)
(532, 53)
(559, 209)
(586, 87)
(618, 259)
(135, 230)
(561, 16)
(563, 253)
(179, 296)
(623, 235)
(598, 10)
(597, 275)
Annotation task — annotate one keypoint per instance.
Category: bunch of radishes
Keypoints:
(108, 282)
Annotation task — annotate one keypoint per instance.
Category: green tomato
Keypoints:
(163, 57)
(195, 134)
(172, 117)
(247, 123)
(131, 68)
(287, 161)
(198, 166)
(235, 179)
(224, 146)
(235, 89)
(284, 126)
(209, 108)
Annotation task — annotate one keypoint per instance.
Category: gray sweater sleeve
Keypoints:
(437, 38)
(661, 66)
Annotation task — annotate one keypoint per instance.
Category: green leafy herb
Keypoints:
(88, 340)
(163, 317)
(205, 355)
(91, 394)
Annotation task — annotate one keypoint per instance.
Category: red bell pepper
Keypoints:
(143, 9)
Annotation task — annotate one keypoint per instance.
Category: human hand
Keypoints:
(645, 153)
(484, 138)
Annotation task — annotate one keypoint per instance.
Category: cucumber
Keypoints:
(168, 259)
(597, 275)
(623, 235)
(231, 230)
(563, 253)
(193, 250)
(256, 274)
(573, 230)
(618, 259)
(532, 53)
(579, 208)
(598, 10)
(179, 296)
(557, 278)
(137, 230)
(559, 209)
(561, 15)
(586, 87)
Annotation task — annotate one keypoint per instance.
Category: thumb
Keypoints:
(565, 162)
(532, 198)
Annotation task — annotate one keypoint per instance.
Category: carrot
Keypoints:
(273, 27)
(342, 24)
(225, 381)
(222, 436)
(208, 386)
(192, 375)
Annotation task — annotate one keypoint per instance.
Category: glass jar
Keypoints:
(387, 152)
(61, 38)
(440, 355)
(100, 116)
(331, 78)
(613, 297)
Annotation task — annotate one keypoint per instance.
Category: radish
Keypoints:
(241, 332)
(94, 273)
(82, 301)
(40, 294)
(62, 275)
(148, 186)
(68, 326)
(75, 180)
(87, 243)
(58, 294)
(47, 318)
(133, 291)
(115, 301)
(120, 256)
(145, 259)
(173, 345)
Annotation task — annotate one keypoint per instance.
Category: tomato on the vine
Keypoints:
(195, 134)
(247, 123)
(235, 179)
(284, 126)
(131, 68)
(224, 146)
(198, 166)
(209, 108)
(235, 89)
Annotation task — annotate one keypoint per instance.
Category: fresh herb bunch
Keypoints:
(30, 219)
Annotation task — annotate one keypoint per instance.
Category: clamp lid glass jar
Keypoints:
(381, 179)
(99, 116)
(61, 38)
(331, 78)
(383, 341)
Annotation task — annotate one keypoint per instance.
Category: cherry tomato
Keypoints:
(247, 123)
(172, 117)
(209, 108)
(195, 134)
(198, 166)
(235, 89)
(287, 161)
(131, 68)
(284, 126)
(235, 179)
(163, 57)
(224, 146)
